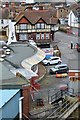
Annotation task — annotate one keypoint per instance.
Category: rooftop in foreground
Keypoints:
(11, 63)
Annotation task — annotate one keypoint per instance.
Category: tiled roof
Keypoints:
(4, 13)
(34, 15)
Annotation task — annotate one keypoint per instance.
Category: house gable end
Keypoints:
(23, 20)
(40, 21)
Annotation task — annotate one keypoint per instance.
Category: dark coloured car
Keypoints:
(62, 68)
(78, 47)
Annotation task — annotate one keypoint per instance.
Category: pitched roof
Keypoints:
(4, 13)
(34, 15)
(75, 13)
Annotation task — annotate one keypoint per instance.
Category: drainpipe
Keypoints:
(20, 108)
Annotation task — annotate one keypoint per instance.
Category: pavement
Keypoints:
(42, 72)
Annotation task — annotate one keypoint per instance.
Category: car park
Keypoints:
(62, 68)
(52, 60)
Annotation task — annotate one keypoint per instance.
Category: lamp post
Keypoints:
(20, 108)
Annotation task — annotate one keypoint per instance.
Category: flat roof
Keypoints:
(6, 95)
(20, 53)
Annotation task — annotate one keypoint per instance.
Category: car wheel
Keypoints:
(59, 62)
(56, 72)
(48, 63)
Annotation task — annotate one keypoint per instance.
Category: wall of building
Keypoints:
(26, 95)
(10, 109)
(74, 83)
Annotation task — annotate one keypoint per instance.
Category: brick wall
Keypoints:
(25, 93)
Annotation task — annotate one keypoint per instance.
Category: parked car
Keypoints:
(32, 42)
(2, 43)
(78, 47)
(52, 60)
(62, 68)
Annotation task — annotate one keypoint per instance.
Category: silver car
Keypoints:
(62, 68)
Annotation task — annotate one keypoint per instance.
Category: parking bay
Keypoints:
(50, 81)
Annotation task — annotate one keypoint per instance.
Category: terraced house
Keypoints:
(38, 25)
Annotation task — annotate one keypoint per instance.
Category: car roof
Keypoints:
(61, 65)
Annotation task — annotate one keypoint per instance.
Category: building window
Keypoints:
(47, 35)
(37, 36)
(22, 36)
(2, 21)
(29, 26)
(40, 25)
(23, 26)
(42, 36)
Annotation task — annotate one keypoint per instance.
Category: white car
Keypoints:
(2, 43)
(52, 60)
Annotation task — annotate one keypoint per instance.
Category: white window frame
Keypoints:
(42, 36)
(38, 25)
(42, 25)
(47, 35)
(23, 26)
(37, 36)
(23, 36)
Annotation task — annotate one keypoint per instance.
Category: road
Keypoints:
(69, 56)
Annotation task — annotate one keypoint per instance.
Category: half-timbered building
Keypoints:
(38, 25)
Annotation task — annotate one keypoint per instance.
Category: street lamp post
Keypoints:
(20, 108)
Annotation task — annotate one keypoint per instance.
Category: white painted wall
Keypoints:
(5, 23)
(11, 33)
(72, 20)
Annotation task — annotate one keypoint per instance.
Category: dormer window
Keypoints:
(40, 25)
(23, 26)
